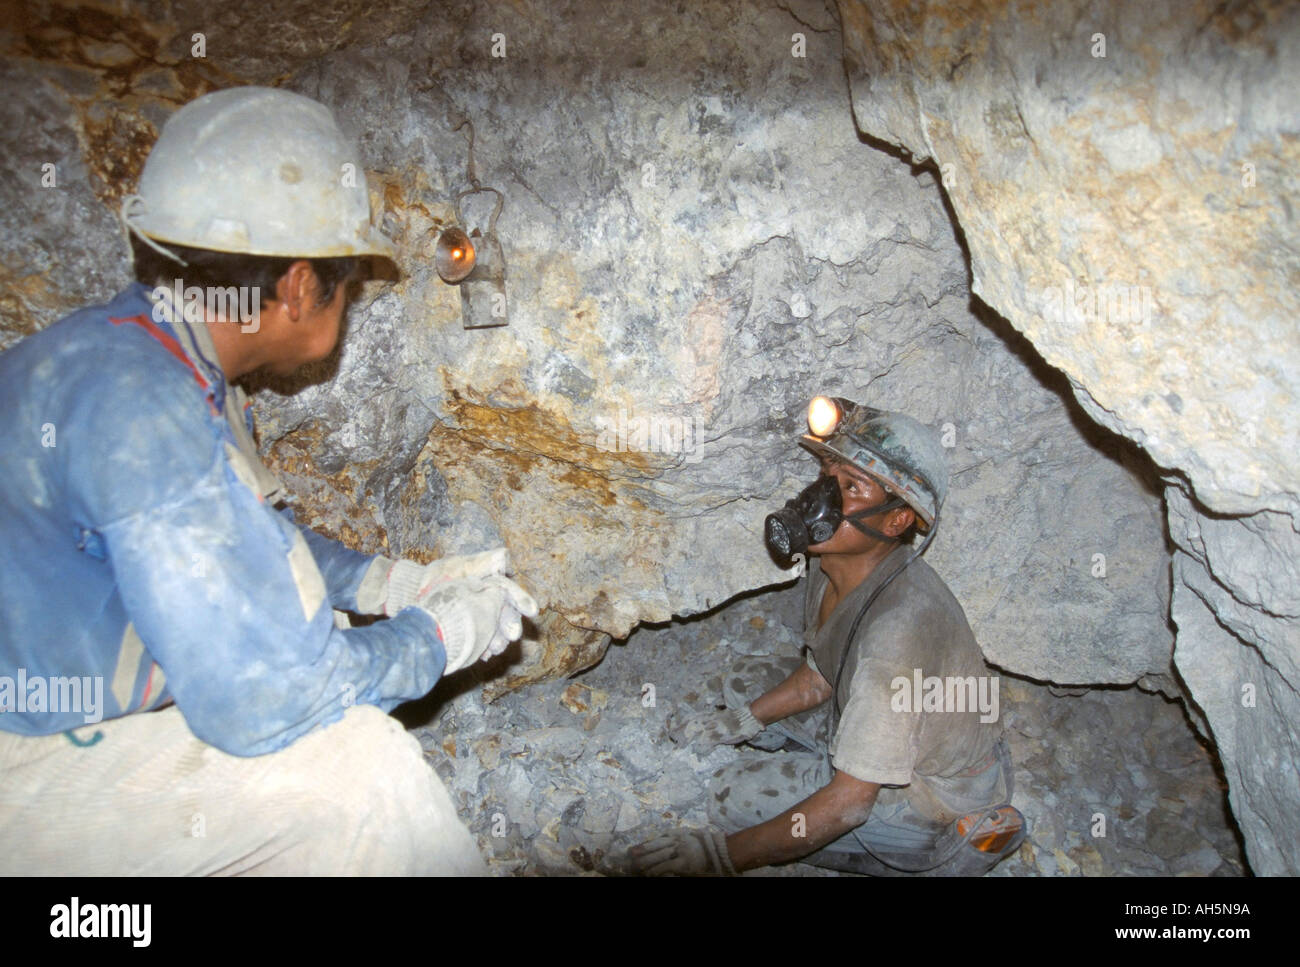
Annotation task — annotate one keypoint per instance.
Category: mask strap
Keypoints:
(856, 519)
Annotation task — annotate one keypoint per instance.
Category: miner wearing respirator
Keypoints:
(880, 783)
(227, 720)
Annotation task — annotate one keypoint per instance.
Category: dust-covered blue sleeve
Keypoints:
(340, 566)
(224, 592)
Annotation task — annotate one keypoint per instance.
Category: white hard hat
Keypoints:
(259, 171)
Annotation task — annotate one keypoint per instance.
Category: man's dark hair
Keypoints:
(225, 269)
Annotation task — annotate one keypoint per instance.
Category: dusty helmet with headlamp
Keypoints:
(900, 453)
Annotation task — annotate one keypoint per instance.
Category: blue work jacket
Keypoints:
(138, 558)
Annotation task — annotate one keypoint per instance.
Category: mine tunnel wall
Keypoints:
(712, 214)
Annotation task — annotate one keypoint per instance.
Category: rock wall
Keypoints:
(697, 241)
(1125, 177)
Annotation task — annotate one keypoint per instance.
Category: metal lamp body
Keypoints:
(483, 291)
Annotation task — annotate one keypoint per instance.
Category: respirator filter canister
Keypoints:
(810, 518)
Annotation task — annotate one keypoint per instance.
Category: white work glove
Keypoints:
(389, 586)
(704, 730)
(478, 617)
(687, 852)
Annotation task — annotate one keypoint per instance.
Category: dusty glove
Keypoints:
(519, 605)
(687, 852)
(389, 586)
(703, 731)
(477, 616)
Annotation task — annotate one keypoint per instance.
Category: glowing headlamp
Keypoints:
(824, 415)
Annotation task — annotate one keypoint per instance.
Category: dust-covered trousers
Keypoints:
(762, 785)
(140, 795)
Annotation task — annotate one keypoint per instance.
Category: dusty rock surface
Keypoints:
(1124, 175)
(697, 243)
(698, 239)
(560, 778)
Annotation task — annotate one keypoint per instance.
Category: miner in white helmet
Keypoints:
(869, 765)
(149, 567)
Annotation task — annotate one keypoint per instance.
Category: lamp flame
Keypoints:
(454, 256)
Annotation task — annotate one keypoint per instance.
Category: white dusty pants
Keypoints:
(148, 798)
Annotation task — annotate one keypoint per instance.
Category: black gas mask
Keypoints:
(814, 516)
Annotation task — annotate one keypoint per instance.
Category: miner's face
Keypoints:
(304, 327)
(324, 322)
(858, 492)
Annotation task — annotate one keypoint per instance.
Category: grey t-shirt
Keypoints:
(915, 632)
